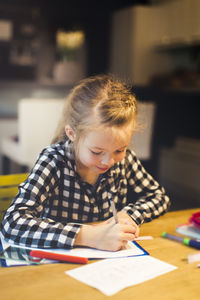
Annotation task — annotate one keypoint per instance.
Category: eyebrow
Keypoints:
(102, 149)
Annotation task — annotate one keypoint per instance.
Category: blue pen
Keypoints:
(185, 241)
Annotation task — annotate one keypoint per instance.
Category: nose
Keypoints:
(107, 160)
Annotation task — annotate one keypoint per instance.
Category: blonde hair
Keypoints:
(97, 101)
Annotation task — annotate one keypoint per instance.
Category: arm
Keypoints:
(25, 222)
(152, 199)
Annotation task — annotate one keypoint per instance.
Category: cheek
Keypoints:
(90, 159)
(94, 159)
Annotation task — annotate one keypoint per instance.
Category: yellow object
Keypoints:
(8, 189)
(70, 39)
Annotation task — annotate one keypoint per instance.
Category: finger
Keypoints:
(128, 237)
(124, 244)
(129, 228)
(137, 232)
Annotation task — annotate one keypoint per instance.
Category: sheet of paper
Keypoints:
(193, 257)
(112, 275)
(144, 237)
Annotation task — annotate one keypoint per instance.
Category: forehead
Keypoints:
(108, 137)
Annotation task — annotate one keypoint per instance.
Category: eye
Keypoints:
(96, 153)
(120, 151)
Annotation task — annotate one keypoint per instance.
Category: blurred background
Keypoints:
(46, 47)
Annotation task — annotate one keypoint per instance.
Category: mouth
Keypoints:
(102, 169)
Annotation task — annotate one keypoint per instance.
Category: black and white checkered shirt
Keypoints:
(54, 200)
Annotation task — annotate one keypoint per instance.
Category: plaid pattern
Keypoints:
(54, 200)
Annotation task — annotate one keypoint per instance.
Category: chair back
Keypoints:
(38, 119)
(8, 189)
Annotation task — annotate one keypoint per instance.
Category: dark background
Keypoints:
(94, 17)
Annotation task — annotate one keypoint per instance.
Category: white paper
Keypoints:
(112, 275)
(143, 238)
(193, 257)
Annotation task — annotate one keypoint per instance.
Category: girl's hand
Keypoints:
(106, 236)
(124, 218)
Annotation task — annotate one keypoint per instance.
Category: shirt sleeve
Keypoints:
(152, 200)
(23, 222)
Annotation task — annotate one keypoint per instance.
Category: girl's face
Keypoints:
(102, 148)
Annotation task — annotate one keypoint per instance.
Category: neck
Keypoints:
(86, 174)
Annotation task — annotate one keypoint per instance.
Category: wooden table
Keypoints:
(50, 282)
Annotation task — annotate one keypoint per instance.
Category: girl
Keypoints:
(87, 165)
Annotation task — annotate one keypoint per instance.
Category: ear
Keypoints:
(70, 133)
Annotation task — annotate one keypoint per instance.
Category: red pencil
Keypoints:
(59, 257)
